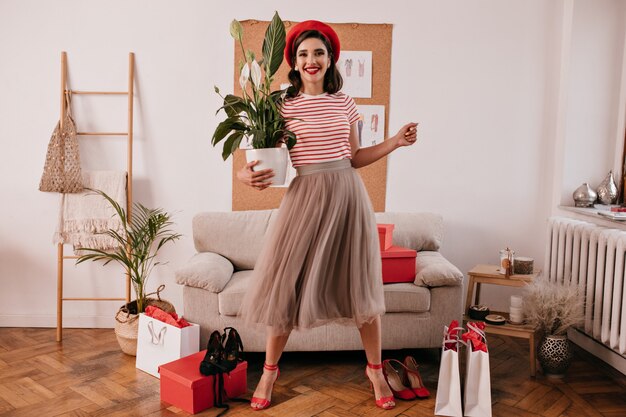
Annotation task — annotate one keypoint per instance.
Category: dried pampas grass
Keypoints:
(553, 307)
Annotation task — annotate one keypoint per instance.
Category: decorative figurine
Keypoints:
(607, 190)
(584, 196)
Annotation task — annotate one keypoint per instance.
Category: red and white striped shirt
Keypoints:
(323, 127)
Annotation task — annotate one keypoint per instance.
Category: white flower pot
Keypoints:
(272, 158)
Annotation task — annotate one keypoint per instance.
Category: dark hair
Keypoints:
(332, 79)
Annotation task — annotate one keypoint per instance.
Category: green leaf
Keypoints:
(276, 96)
(258, 138)
(273, 104)
(231, 144)
(249, 56)
(223, 128)
(217, 90)
(290, 138)
(274, 45)
(233, 105)
(277, 136)
(236, 30)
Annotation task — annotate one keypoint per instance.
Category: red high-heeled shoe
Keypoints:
(264, 403)
(414, 379)
(393, 377)
(386, 403)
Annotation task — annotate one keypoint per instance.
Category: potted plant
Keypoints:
(256, 114)
(145, 234)
(553, 308)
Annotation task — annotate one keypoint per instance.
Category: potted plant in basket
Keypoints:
(145, 234)
(256, 114)
(553, 308)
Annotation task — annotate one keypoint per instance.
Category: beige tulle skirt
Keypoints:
(321, 259)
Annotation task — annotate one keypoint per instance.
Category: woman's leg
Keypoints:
(370, 336)
(274, 346)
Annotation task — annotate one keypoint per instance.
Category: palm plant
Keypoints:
(256, 115)
(146, 232)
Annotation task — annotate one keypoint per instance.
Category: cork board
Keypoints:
(353, 37)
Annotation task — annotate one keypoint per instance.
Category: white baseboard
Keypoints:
(79, 322)
(597, 349)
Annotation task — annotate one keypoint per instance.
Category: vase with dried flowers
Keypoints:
(553, 308)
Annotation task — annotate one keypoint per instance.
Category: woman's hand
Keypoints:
(255, 179)
(407, 135)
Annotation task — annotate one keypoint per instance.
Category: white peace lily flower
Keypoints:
(245, 75)
(256, 73)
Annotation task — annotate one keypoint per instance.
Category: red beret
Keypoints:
(323, 28)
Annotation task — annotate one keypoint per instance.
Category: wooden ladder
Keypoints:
(129, 179)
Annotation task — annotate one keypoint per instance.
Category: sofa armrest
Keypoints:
(433, 270)
(206, 270)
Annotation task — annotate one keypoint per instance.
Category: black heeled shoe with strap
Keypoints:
(212, 364)
(233, 349)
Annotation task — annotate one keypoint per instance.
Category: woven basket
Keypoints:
(127, 322)
(62, 172)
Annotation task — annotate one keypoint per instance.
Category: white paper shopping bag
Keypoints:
(448, 402)
(159, 343)
(477, 376)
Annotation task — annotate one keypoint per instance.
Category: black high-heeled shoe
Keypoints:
(212, 364)
(233, 349)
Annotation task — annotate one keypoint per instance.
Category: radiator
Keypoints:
(592, 257)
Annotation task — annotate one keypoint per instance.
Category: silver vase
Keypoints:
(555, 355)
(584, 196)
(607, 190)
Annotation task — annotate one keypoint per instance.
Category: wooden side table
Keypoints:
(488, 274)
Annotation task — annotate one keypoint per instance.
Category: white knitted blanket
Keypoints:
(84, 216)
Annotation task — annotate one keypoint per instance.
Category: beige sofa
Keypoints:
(228, 243)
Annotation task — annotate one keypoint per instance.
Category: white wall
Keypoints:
(481, 77)
(592, 139)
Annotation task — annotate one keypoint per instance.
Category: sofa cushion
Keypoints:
(399, 298)
(418, 231)
(433, 270)
(406, 298)
(231, 297)
(206, 270)
(238, 235)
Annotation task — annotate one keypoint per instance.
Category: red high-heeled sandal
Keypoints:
(386, 403)
(263, 403)
(395, 381)
(414, 379)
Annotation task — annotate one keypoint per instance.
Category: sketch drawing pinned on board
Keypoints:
(373, 118)
(374, 124)
(356, 69)
(348, 67)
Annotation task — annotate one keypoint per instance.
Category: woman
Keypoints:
(321, 261)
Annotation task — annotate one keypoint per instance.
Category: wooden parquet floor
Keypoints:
(88, 375)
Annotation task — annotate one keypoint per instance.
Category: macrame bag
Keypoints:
(61, 172)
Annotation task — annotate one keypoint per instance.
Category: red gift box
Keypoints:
(398, 265)
(385, 236)
(183, 386)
